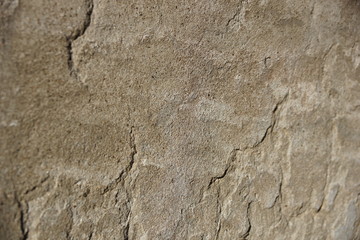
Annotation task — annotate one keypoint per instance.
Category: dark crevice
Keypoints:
(273, 121)
(70, 228)
(37, 185)
(218, 217)
(75, 35)
(235, 15)
(133, 149)
(278, 198)
(232, 158)
(133, 152)
(122, 179)
(232, 18)
(126, 231)
(127, 170)
(324, 187)
(22, 225)
(23, 213)
(247, 233)
(113, 183)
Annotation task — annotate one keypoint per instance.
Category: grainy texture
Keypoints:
(180, 119)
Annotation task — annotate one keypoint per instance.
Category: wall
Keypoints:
(180, 119)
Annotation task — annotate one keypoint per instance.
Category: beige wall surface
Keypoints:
(181, 119)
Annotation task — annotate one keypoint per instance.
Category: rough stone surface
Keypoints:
(180, 119)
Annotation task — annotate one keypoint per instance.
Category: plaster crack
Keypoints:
(37, 185)
(133, 149)
(270, 129)
(126, 230)
(218, 229)
(280, 195)
(247, 233)
(124, 173)
(232, 158)
(75, 35)
(324, 188)
(114, 183)
(69, 230)
(133, 152)
(90, 235)
(232, 18)
(23, 215)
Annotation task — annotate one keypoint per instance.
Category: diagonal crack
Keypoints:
(233, 153)
(124, 173)
(75, 35)
(122, 179)
(229, 166)
(232, 158)
(235, 15)
(42, 181)
(273, 121)
(232, 18)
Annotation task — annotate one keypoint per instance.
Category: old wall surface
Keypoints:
(208, 119)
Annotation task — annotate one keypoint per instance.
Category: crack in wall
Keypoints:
(69, 230)
(247, 233)
(128, 170)
(124, 173)
(235, 16)
(279, 196)
(75, 35)
(270, 129)
(90, 235)
(218, 215)
(121, 179)
(232, 158)
(324, 187)
(329, 162)
(23, 217)
(133, 149)
(230, 164)
(233, 153)
(37, 185)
